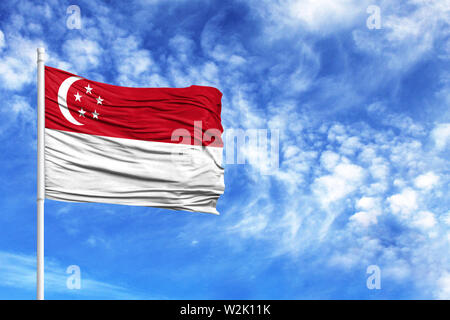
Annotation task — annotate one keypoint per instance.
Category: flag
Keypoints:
(157, 147)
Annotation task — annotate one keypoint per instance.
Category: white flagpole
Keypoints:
(40, 173)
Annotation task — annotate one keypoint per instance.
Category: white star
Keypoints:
(82, 112)
(77, 97)
(88, 89)
(95, 115)
(99, 100)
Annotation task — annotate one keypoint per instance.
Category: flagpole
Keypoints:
(40, 173)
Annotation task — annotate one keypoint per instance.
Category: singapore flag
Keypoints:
(158, 147)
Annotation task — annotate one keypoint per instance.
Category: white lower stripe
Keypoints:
(88, 168)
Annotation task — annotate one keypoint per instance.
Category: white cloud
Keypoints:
(290, 151)
(407, 34)
(350, 146)
(337, 133)
(313, 15)
(95, 241)
(17, 112)
(326, 15)
(405, 153)
(217, 47)
(403, 203)
(183, 48)
(133, 63)
(329, 160)
(424, 220)
(426, 181)
(370, 208)
(397, 269)
(441, 135)
(446, 218)
(444, 287)
(2, 40)
(18, 62)
(379, 168)
(345, 179)
(251, 225)
(395, 120)
(84, 54)
(21, 107)
(364, 218)
(367, 154)
(19, 271)
(367, 203)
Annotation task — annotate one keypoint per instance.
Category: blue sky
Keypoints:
(364, 124)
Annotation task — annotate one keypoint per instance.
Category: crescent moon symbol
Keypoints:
(62, 99)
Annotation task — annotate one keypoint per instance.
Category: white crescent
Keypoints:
(62, 99)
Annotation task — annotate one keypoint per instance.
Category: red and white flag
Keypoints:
(158, 147)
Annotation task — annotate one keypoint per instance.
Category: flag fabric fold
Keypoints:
(157, 147)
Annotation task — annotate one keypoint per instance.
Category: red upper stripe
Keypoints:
(150, 114)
